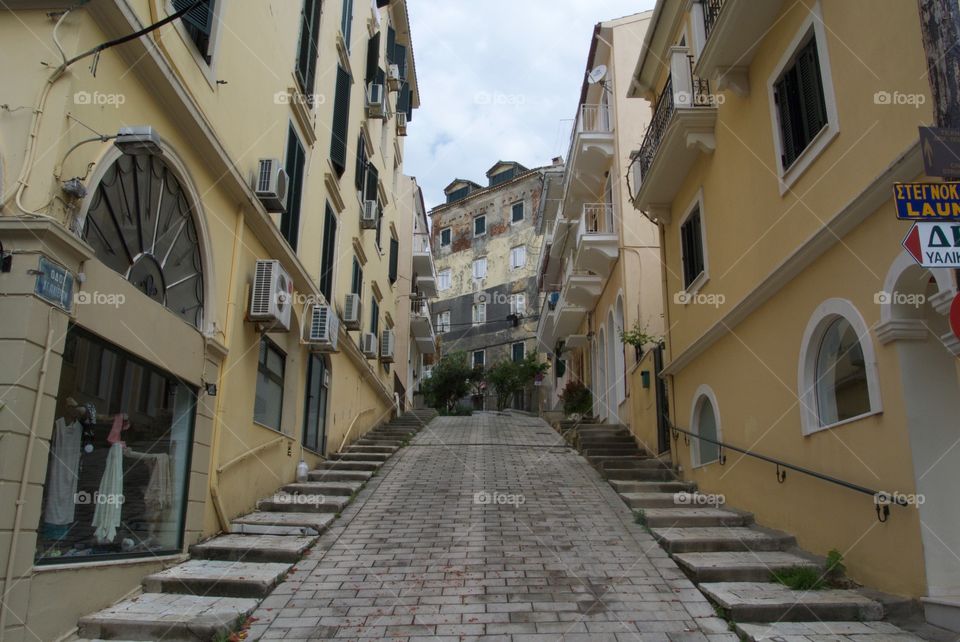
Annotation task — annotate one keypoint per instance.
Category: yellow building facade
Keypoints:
(174, 316)
(777, 135)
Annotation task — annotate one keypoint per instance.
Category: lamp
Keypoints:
(142, 139)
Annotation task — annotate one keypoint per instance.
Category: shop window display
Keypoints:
(119, 457)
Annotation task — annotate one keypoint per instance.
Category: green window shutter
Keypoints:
(198, 22)
(307, 47)
(356, 283)
(373, 57)
(374, 317)
(373, 178)
(394, 256)
(346, 21)
(295, 161)
(783, 93)
(341, 122)
(812, 104)
(381, 78)
(400, 59)
(403, 97)
(329, 253)
(361, 163)
(391, 43)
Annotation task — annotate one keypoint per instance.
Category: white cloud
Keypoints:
(498, 80)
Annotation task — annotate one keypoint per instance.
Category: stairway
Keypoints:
(225, 578)
(726, 554)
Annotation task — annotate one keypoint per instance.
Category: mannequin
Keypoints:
(58, 512)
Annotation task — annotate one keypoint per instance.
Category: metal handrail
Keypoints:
(883, 508)
(711, 11)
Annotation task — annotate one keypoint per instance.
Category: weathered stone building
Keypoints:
(485, 242)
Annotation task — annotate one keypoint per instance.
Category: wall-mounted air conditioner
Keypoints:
(270, 184)
(321, 329)
(271, 297)
(393, 77)
(351, 311)
(368, 345)
(369, 215)
(375, 101)
(401, 123)
(387, 341)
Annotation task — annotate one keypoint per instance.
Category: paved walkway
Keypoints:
(488, 528)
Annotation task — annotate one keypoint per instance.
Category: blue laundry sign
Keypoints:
(54, 283)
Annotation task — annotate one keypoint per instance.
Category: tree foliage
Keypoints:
(450, 381)
(510, 377)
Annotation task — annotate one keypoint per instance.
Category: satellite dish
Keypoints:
(599, 73)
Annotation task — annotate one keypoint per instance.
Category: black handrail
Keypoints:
(883, 507)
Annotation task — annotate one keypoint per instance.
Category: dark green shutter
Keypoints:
(356, 284)
(307, 48)
(375, 317)
(812, 103)
(341, 122)
(381, 78)
(329, 253)
(373, 57)
(782, 95)
(400, 59)
(403, 98)
(198, 21)
(294, 166)
(373, 178)
(361, 163)
(391, 43)
(346, 21)
(394, 256)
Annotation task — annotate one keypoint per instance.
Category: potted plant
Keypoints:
(638, 337)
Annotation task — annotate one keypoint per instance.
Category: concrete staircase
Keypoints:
(726, 554)
(225, 578)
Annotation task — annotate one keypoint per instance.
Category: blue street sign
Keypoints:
(927, 201)
(54, 283)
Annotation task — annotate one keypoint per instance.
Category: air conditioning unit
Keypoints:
(368, 217)
(271, 298)
(321, 329)
(387, 340)
(270, 185)
(351, 311)
(368, 345)
(375, 101)
(393, 77)
(401, 123)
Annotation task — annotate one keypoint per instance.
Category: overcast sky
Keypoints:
(499, 79)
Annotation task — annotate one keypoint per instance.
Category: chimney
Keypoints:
(557, 160)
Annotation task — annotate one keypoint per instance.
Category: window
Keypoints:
(374, 316)
(341, 122)
(518, 257)
(479, 313)
(518, 351)
(516, 212)
(290, 219)
(518, 304)
(346, 22)
(199, 24)
(268, 401)
(307, 47)
(445, 236)
(99, 382)
(394, 252)
(479, 358)
(356, 280)
(315, 415)
(443, 279)
(373, 59)
(360, 172)
(799, 99)
(480, 226)
(329, 244)
(706, 424)
(691, 248)
(443, 321)
(480, 268)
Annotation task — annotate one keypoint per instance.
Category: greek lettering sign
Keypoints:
(54, 283)
(927, 201)
(934, 245)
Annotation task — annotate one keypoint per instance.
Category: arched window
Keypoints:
(141, 224)
(705, 421)
(838, 378)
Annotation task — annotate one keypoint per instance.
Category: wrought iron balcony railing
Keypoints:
(711, 11)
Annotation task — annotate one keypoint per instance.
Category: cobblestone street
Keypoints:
(487, 527)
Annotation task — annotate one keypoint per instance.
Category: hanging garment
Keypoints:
(109, 500)
(120, 423)
(158, 494)
(62, 473)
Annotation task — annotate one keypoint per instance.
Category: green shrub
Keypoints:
(576, 398)
(800, 578)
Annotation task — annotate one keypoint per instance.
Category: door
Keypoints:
(315, 417)
(660, 390)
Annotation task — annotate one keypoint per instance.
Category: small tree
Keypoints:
(576, 398)
(449, 382)
(510, 377)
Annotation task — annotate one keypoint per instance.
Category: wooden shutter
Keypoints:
(400, 59)
(361, 168)
(356, 285)
(341, 122)
(198, 22)
(394, 252)
(373, 57)
(783, 94)
(812, 103)
(375, 317)
(346, 21)
(391, 43)
(329, 253)
(373, 178)
(290, 219)
(307, 48)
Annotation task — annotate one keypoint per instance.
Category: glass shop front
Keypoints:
(119, 461)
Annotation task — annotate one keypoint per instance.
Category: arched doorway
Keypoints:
(600, 385)
(621, 357)
(613, 373)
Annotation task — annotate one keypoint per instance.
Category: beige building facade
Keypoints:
(184, 218)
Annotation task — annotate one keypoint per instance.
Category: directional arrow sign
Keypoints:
(934, 245)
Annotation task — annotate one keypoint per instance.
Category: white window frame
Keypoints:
(480, 261)
(523, 208)
(704, 392)
(700, 281)
(479, 313)
(788, 176)
(450, 242)
(475, 219)
(473, 358)
(444, 278)
(513, 264)
(518, 304)
(443, 321)
(821, 319)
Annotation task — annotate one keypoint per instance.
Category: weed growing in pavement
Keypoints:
(800, 578)
(835, 566)
(640, 517)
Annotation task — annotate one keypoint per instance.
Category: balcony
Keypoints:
(545, 335)
(732, 29)
(681, 129)
(421, 327)
(598, 244)
(567, 318)
(591, 151)
(423, 267)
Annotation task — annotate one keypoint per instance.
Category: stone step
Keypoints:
(686, 517)
(217, 577)
(166, 616)
(385, 443)
(361, 456)
(324, 487)
(773, 602)
(624, 451)
(302, 503)
(602, 432)
(371, 448)
(750, 566)
(719, 538)
(393, 434)
(253, 548)
(651, 500)
(350, 465)
(339, 474)
(599, 440)
(629, 461)
(271, 523)
(825, 632)
(622, 486)
(638, 474)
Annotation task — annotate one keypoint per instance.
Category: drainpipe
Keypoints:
(25, 475)
(674, 456)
